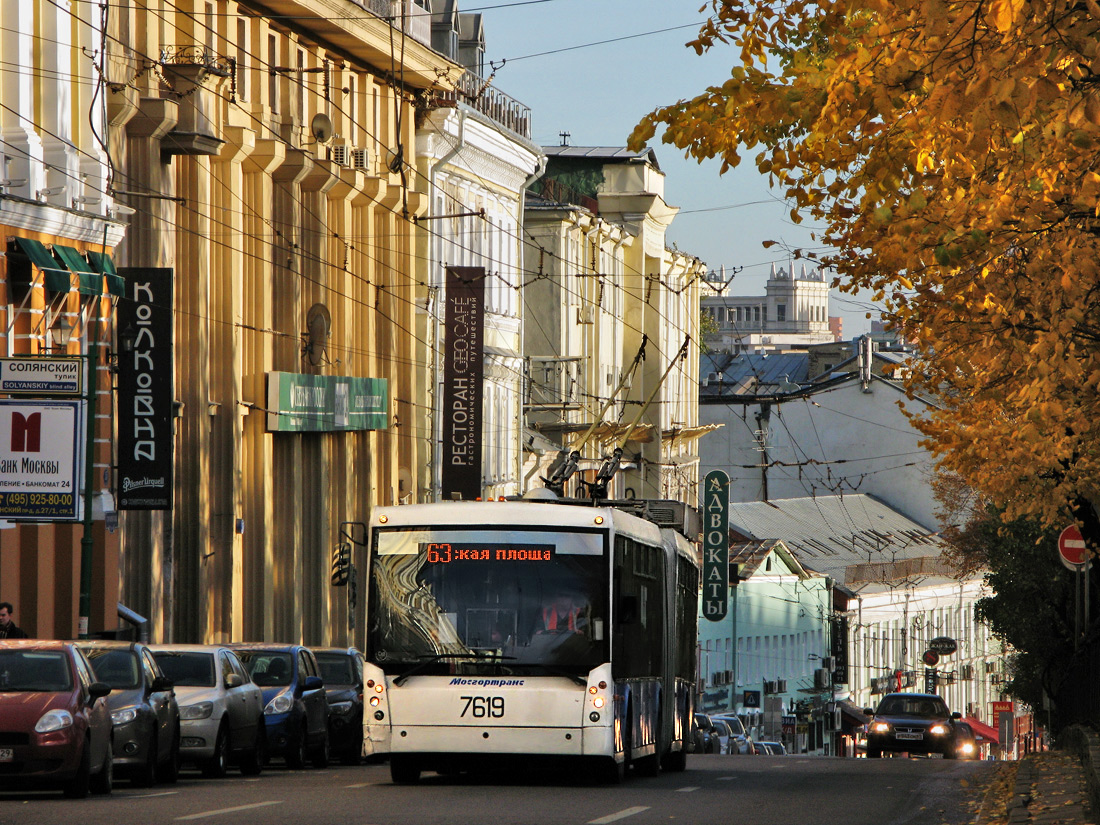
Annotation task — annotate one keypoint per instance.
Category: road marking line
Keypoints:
(360, 785)
(233, 810)
(149, 795)
(620, 815)
(726, 778)
(688, 789)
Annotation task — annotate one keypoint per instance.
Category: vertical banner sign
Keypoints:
(145, 390)
(716, 544)
(839, 650)
(464, 345)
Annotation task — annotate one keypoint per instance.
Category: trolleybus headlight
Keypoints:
(595, 717)
(593, 689)
(597, 702)
(375, 701)
(383, 519)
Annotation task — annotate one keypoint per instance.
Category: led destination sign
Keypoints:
(451, 552)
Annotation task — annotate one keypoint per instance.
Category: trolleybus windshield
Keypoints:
(450, 600)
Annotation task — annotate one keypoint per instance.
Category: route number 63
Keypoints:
(483, 707)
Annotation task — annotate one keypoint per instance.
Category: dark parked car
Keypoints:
(912, 723)
(143, 709)
(710, 739)
(771, 748)
(55, 725)
(295, 704)
(342, 673)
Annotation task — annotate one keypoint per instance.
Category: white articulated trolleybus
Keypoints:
(527, 631)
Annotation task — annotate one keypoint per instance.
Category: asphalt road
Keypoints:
(722, 790)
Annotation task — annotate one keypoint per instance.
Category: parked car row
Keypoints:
(74, 713)
(727, 734)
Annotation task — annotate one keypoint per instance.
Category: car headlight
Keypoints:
(279, 704)
(966, 748)
(53, 720)
(340, 708)
(200, 710)
(938, 730)
(123, 715)
(880, 727)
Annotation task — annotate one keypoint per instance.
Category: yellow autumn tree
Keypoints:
(950, 151)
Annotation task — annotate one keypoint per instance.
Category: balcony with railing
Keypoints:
(475, 92)
(411, 16)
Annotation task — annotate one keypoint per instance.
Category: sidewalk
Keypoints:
(1052, 788)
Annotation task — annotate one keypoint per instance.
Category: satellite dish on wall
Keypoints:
(318, 324)
(321, 127)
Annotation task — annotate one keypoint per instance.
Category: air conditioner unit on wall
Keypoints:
(341, 154)
(360, 159)
(586, 314)
(966, 671)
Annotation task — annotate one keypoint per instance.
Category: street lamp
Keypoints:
(86, 541)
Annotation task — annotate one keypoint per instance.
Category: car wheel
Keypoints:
(145, 776)
(322, 756)
(254, 760)
(77, 787)
(104, 781)
(296, 752)
(404, 770)
(169, 770)
(218, 765)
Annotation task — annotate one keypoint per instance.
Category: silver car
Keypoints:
(221, 709)
(739, 741)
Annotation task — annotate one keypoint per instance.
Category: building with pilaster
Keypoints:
(611, 334)
(268, 152)
(60, 227)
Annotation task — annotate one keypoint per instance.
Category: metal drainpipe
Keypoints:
(128, 615)
(437, 377)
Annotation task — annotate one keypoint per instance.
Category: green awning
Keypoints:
(56, 277)
(91, 282)
(102, 263)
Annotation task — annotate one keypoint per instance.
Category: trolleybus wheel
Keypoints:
(404, 770)
(675, 761)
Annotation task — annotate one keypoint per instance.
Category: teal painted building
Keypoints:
(764, 660)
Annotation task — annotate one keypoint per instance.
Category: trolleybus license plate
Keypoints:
(7, 755)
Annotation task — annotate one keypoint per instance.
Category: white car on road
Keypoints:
(221, 709)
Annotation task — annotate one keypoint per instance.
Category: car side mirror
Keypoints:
(628, 609)
(313, 683)
(233, 680)
(956, 715)
(868, 712)
(97, 690)
(162, 683)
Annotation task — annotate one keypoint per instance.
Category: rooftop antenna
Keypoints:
(564, 138)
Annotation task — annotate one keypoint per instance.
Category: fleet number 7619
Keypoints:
(482, 707)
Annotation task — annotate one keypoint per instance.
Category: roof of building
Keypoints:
(612, 154)
(856, 539)
(759, 374)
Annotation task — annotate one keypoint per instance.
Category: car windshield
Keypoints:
(912, 706)
(336, 669)
(735, 726)
(472, 601)
(117, 667)
(187, 669)
(35, 671)
(268, 668)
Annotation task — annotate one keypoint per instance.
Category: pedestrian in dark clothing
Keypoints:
(8, 629)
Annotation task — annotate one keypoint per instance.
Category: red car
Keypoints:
(55, 725)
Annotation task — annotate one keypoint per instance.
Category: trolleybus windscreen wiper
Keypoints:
(430, 659)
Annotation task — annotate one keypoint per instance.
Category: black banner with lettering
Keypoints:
(145, 389)
(840, 650)
(463, 365)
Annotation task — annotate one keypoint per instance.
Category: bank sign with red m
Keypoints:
(39, 463)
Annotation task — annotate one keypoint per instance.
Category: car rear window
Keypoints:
(187, 669)
(33, 671)
(336, 669)
(118, 668)
(268, 668)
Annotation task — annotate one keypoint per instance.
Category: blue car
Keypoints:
(295, 704)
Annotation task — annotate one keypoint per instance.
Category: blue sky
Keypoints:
(597, 93)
